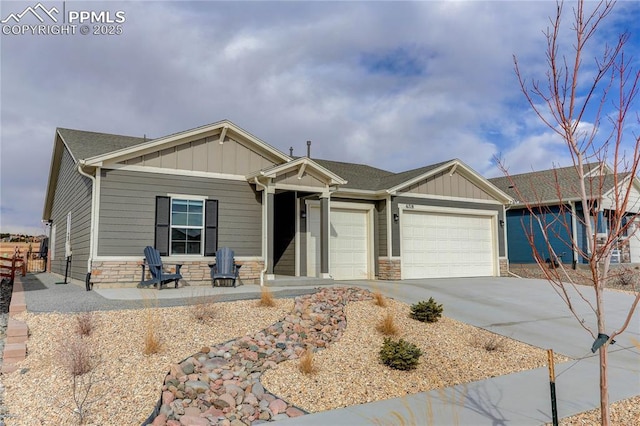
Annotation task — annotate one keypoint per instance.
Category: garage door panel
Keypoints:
(446, 245)
(349, 243)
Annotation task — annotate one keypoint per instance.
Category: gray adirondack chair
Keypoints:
(156, 268)
(225, 267)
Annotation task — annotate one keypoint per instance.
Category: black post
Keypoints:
(552, 384)
(66, 269)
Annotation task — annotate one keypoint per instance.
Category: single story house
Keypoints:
(188, 193)
(554, 196)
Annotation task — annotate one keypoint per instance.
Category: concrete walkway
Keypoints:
(527, 310)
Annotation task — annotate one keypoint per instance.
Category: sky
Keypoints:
(395, 85)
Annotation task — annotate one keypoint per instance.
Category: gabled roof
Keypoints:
(83, 145)
(549, 186)
(304, 163)
(223, 127)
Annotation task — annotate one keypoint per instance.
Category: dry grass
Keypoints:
(490, 343)
(84, 323)
(152, 341)
(203, 308)
(306, 365)
(75, 355)
(379, 299)
(387, 325)
(266, 298)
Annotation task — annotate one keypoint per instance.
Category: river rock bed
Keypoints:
(220, 385)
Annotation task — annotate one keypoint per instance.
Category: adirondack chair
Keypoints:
(156, 268)
(225, 268)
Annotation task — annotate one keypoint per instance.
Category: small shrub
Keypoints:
(75, 355)
(627, 277)
(399, 355)
(306, 365)
(84, 323)
(387, 325)
(379, 299)
(426, 311)
(266, 298)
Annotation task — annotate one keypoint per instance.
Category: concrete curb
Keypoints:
(15, 348)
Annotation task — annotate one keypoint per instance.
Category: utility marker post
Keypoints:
(552, 384)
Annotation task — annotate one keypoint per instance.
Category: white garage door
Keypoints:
(437, 245)
(348, 246)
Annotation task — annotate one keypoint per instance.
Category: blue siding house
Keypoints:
(550, 200)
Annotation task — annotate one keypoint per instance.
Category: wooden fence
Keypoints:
(9, 267)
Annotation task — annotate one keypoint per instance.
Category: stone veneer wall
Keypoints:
(503, 265)
(389, 269)
(128, 273)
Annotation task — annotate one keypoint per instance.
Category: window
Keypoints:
(186, 226)
(187, 223)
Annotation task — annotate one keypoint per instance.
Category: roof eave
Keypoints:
(114, 156)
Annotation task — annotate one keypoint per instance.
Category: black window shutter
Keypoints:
(163, 212)
(211, 228)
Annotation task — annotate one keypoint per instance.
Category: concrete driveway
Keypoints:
(529, 311)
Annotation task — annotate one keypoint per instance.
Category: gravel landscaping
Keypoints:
(127, 383)
(252, 354)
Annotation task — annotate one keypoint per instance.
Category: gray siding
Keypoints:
(381, 232)
(127, 210)
(72, 194)
(207, 155)
(395, 227)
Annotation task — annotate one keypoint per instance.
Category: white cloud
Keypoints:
(396, 85)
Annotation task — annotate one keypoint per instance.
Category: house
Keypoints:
(188, 193)
(554, 195)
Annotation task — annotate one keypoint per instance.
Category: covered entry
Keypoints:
(438, 244)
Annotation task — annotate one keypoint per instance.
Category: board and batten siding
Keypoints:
(381, 232)
(207, 155)
(447, 184)
(72, 194)
(127, 210)
(395, 234)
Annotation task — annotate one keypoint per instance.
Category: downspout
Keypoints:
(93, 212)
(264, 228)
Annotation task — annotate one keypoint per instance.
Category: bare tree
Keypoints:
(601, 93)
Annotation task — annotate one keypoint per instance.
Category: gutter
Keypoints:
(93, 213)
(264, 228)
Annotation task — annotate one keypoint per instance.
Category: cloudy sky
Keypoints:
(396, 85)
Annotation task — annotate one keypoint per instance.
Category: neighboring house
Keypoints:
(191, 192)
(555, 198)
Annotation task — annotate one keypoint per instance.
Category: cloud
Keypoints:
(397, 85)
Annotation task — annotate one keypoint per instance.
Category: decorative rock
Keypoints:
(294, 412)
(193, 421)
(192, 411)
(160, 420)
(223, 381)
(167, 397)
(187, 367)
(229, 399)
(197, 385)
(277, 406)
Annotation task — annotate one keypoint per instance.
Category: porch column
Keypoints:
(324, 236)
(270, 230)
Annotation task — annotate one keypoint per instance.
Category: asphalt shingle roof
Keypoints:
(554, 184)
(361, 176)
(85, 145)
